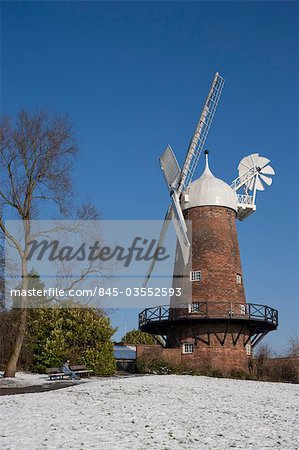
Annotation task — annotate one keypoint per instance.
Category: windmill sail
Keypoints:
(201, 133)
(181, 235)
(170, 168)
(254, 174)
(163, 232)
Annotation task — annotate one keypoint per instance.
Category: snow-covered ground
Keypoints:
(23, 380)
(154, 412)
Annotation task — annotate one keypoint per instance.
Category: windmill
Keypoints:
(254, 172)
(214, 320)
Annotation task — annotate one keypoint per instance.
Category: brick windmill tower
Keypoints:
(210, 321)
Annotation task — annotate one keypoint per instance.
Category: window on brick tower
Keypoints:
(195, 275)
(239, 278)
(188, 347)
(194, 307)
(248, 349)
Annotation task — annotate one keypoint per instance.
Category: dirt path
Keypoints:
(35, 388)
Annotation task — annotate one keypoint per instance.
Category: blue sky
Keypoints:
(133, 78)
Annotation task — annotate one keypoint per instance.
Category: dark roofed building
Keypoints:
(125, 356)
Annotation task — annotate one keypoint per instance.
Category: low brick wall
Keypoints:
(224, 358)
(172, 355)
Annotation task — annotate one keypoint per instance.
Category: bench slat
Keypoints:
(55, 372)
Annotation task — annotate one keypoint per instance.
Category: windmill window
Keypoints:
(195, 275)
(243, 309)
(188, 347)
(248, 349)
(239, 278)
(194, 307)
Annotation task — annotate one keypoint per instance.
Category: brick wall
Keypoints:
(215, 356)
(172, 355)
(215, 252)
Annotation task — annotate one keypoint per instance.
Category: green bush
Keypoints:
(134, 337)
(81, 334)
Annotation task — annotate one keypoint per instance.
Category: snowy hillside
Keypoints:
(154, 412)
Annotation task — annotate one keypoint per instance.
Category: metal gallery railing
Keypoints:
(210, 310)
(245, 199)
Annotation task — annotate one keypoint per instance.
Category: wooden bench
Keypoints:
(82, 371)
(55, 373)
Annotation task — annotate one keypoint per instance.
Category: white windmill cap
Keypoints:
(208, 190)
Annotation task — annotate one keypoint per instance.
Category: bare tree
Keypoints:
(293, 347)
(36, 158)
(262, 355)
(263, 352)
(2, 283)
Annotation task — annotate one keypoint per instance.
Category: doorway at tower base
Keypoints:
(204, 358)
